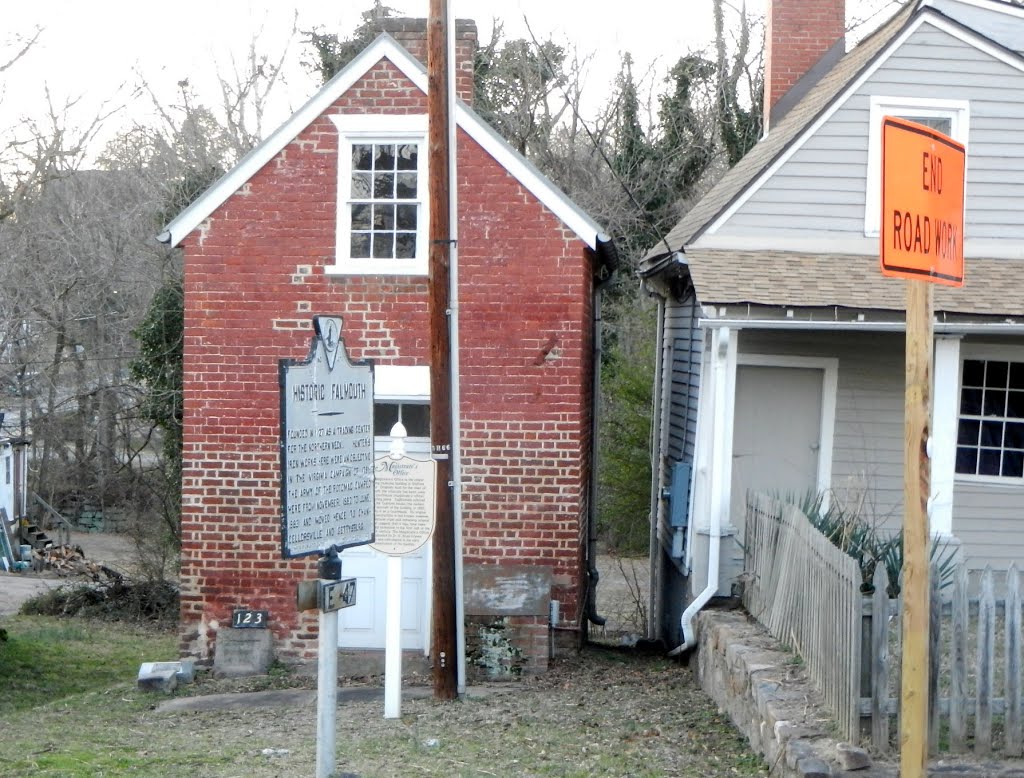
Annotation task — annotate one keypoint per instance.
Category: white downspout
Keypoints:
(453, 330)
(720, 350)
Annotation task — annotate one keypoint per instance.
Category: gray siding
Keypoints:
(989, 522)
(820, 190)
(683, 348)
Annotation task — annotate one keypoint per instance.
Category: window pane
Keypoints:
(383, 245)
(416, 419)
(384, 417)
(992, 433)
(974, 372)
(1017, 375)
(384, 217)
(405, 245)
(406, 186)
(970, 402)
(1015, 405)
(360, 245)
(969, 431)
(996, 374)
(988, 461)
(967, 460)
(995, 403)
(407, 156)
(1014, 435)
(406, 217)
(385, 158)
(361, 216)
(360, 186)
(362, 156)
(1013, 464)
(384, 186)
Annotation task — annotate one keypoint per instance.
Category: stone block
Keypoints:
(158, 677)
(812, 767)
(242, 652)
(851, 757)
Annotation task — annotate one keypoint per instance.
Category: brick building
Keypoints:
(288, 234)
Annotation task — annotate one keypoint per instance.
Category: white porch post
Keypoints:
(945, 413)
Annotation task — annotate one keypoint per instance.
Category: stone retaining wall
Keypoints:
(767, 694)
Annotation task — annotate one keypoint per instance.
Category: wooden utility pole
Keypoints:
(916, 489)
(443, 633)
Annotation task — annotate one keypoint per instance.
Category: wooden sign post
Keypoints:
(922, 241)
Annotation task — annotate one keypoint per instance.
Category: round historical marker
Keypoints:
(404, 504)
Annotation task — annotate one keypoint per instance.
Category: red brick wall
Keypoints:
(254, 277)
(797, 34)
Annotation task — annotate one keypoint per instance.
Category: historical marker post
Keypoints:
(921, 240)
(404, 498)
(326, 491)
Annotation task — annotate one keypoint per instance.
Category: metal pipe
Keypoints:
(453, 323)
(606, 251)
(721, 348)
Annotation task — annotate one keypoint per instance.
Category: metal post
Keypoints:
(329, 568)
(393, 640)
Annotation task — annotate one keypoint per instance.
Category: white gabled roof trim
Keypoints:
(928, 17)
(384, 47)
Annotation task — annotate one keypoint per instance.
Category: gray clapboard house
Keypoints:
(781, 344)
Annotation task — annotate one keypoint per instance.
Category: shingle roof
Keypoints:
(802, 115)
(789, 279)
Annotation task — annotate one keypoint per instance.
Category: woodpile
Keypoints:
(69, 561)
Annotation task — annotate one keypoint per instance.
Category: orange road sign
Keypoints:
(922, 227)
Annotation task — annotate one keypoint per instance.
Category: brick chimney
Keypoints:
(803, 39)
(412, 35)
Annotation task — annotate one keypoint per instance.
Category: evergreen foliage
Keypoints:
(624, 465)
(159, 368)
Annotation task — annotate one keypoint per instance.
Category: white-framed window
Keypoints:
(382, 195)
(990, 430)
(950, 117)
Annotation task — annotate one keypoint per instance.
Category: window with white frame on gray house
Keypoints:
(990, 437)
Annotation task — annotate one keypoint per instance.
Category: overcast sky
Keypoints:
(94, 50)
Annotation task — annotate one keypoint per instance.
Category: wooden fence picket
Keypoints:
(986, 670)
(880, 660)
(1012, 659)
(958, 665)
(934, 657)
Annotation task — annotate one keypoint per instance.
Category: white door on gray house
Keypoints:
(776, 432)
